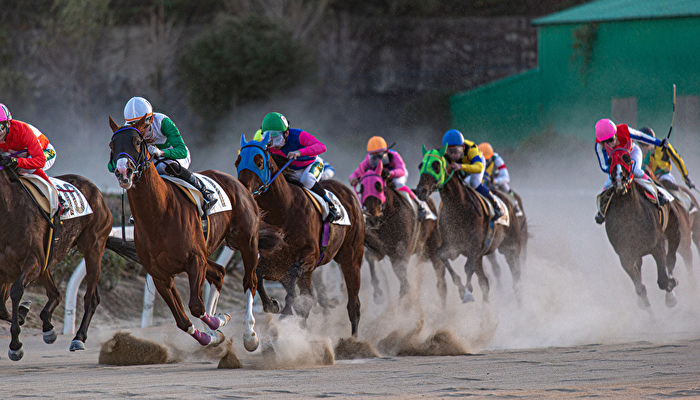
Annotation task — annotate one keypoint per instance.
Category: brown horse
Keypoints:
(689, 224)
(169, 238)
(635, 228)
(464, 225)
(286, 206)
(24, 255)
(393, 230)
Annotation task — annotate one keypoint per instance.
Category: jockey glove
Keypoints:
(690, 183)
(386, 174)
(11, 162)
(664, 143)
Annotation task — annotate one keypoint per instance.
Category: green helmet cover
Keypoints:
(274, 121)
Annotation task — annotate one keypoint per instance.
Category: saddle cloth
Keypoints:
(505, 219)
(47, 196)
(322, 206)
(224, 204)
(409, 201)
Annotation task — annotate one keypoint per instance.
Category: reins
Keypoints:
(263, 188)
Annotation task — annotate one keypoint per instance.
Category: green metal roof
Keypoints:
(618, 10)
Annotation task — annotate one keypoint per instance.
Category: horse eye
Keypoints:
(378, 186)
(626, 158)
(436, 167)
(420, 166)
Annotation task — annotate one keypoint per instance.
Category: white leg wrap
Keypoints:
(212, 300)
(250, 338)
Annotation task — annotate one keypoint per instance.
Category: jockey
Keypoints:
(28, 148)
(610, 136)
(171, 156)
(328, 170)
(303, 148)
(496, 173)
(394, 169)
(464, 156)
(658, 159)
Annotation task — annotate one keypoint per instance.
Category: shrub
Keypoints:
(238, 60)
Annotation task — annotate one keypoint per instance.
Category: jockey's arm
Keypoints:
(602, 157)
(312, 146)
(500, 172)
(37, 158)
(473, 165)
(677, 160)
(643, 137)
(174, 139)
(397, 168)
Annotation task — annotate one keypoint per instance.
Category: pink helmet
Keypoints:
(605, 129)
(5, 113)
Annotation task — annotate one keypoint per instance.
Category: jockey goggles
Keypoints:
(273, 133)
(147, 122)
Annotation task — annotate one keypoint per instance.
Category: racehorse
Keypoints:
(464, 225)
(393, 229)
(636, 227)
(689, 224)
(286, 206)
(27, 253)
(169, 237)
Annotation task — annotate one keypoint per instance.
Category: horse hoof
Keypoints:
(468, 297)
(50, 336)
(671, 299)
(16, 355)
(217, 337)
(77, 345)
(275, 307)
(251, 343)
(224, 318)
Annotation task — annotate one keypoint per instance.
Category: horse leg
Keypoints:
(4, 295)
(306, 299)
(665, 280)
(440, 270)
(319, 286)
(476, 264)
(289, 282)
(399, 267)
(513, 259)
(495, 266)
(170, 295)
(372, 262)
(464, 293)
(16, 292)
(269, 305)
(470, 272)
(250, 286)
(196, 271)
(350, 259)
(633, 267)
(215, 279)
(54, 297)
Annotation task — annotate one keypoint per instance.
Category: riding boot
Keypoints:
(209, 199)
(424, 211)
(333, 213)
(599, 218)
(497, 213)
(63, 206)
(516, 203)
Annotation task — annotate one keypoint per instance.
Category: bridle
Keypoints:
(266, 170)
(141, 163)
(440, 177)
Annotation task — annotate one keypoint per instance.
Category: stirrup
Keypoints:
(208, 204)
(333, 213)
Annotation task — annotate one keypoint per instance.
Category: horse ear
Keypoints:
(442, 151)
(113, 124)
(265, 139)
(378, 168)
(141, 122)
(243, 142)
(424, 150)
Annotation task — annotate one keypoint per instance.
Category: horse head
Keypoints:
(433, 172)
(621, 169)
(373, 194)
(129, 152)
(253, 164)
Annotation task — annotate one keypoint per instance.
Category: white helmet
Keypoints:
(136, 108)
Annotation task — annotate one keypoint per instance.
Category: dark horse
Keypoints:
(636, 227)
(393, 230)
(170, 240)
(25, 250)
(286, 206)
(464, 225)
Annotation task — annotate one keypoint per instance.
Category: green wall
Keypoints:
(641, 59)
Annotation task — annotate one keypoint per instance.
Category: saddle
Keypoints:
(47, 195)
(322, 207)
(195, 196)
(488, 208)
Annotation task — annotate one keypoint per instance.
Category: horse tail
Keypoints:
(270, 238)
(123, 248)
